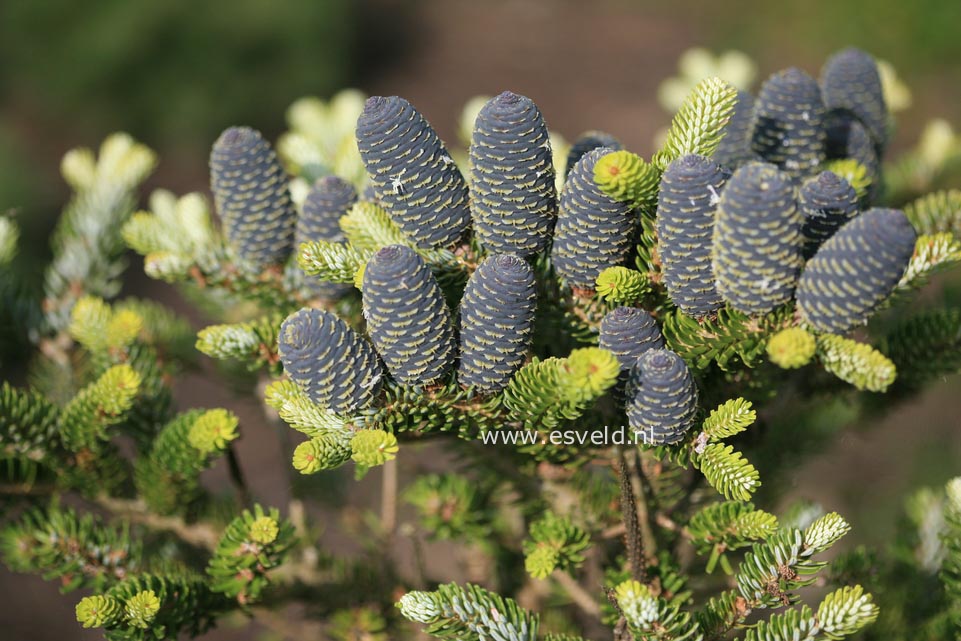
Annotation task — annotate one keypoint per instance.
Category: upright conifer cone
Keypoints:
(661, 398)
(329, 199)
(407, 317)
(827, 202)
(855, 270)
(593, 231)
(588, 141)
(334, 366)
(513, 198)
(413, 175)
(789, 123)
(496, 322)
(735, 147)
(686, 202)
(757, 239)
(850, 80)
(628, 332)
(250, 191)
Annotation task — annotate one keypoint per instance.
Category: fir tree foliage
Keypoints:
(665, 287)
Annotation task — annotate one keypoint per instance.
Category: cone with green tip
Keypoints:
(686, 204)
(855, 270)
(252, 198)
(334, 366)
(407, 317)
(594, 231)
(789, 123)
(412, 173)
(513, 197)
(497, 322)
(827, 202)
(757, 239)
(661, 398)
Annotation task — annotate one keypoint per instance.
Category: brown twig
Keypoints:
(237, 476)
(578, 594)
(633, 540)
(199, 534)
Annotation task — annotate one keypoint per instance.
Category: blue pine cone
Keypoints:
(827, 202)
(850, 80)
(628, 332)
(789, 123)
(329, 199)
(661, 398)
(513, 197)
(407, 317)
(735, 147)
(594, 231)
(334, 366)
(855, 270)
(589, 141)
(412, 173)
(496, 322)
(757, 239)
(251, 195)
(686, 204)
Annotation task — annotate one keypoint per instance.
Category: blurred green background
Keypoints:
(175, 73)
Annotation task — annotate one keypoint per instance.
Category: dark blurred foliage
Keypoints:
(170, 70)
